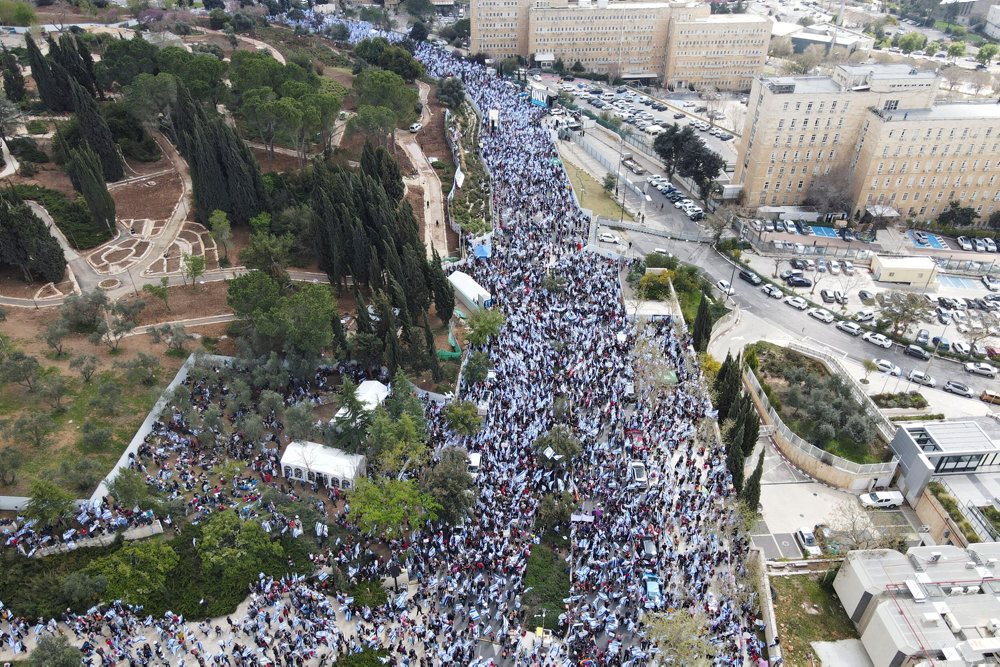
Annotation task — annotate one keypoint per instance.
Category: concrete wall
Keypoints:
(931, 513)
(814, 467)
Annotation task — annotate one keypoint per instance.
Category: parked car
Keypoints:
(962, 348)
(864, 316)
(821, 314)
(921, 378)
(750, 277)
(607, 238)
(799, 281)
(877, 339)
(958, 388)
(827, 296)
(797, 302)
(416, 127)
(941, 344)
(981, 368)
(807, 541)
(850, 327)
(866, 296)
(964, 243)
(882, 499)
(725, 287)
(889, 368)
(923, 336)
(917, 351)
(848, 267)
(990, 397)
(772, 291)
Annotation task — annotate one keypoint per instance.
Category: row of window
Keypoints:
(986, 195)
(830, 155)
(930, 165)
(805, 123)
(812, 140)
(969, 150)
(820, 107)
(927, 132)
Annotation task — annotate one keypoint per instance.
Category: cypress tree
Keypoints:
(84, 169)
(95, 132)
(444, 293)
(369, 163)
(43, 75)
(734, 463)
(339, 337)
(431, 351)
(375, 274)
(13, 80)
(389, 175)
(702, 325)
(417, 296)
(751, 492)
(724, 370)
(729, 397)
(364, 323)
(751, 428)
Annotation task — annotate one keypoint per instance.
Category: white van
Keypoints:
(653, 130)
(882, 499)
(607, 96)
(474, 460)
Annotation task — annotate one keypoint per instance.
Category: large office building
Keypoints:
(678, 43)
(877, 131)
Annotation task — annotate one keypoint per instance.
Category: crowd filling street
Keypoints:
(465, 601)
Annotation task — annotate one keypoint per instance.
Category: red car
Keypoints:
(992, 352)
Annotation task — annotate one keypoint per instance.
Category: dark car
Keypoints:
(750, 277)
(799, 281)
(917, 351)
(700, 109)
(798, 264)
(679, 115)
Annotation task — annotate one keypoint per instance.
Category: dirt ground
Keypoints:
(280, 163)
(186, 302)
(415, 195)
(137, 168)
(49, 175)
(153, 198)
(12, 284)
(433, 143)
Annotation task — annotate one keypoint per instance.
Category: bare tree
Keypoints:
(829, 194)
(862, 528)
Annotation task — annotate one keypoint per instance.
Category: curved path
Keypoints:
(435, 232)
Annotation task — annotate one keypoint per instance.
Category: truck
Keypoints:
(469, 292)
(632, 165)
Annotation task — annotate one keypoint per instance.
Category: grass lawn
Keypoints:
(807, 612)
(591, 195)
(548, 577)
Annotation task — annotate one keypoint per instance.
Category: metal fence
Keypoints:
(653, 231)
(972, 514)
(814, 246)
(867, 469)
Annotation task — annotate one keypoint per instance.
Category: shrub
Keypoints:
(548, 577)
(37, 127)
(25, 148)
(71, 217)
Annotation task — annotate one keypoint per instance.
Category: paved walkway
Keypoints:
(435, 232)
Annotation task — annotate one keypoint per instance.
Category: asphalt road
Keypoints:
(788, 322)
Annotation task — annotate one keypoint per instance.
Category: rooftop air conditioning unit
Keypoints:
(935, 557)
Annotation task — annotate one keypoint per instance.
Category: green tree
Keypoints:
(681, 638)
(387, 507)
(609, 182)
(735, 461)
(21, 369)
(477, 367)
(484, 324)
(301, 321)
(957, 215)
(268, 253)
(563, 444)
(108, 396)
(702, 333)
(55, 651)
(160, 290)
(174, 335)
(986, 54)
(398, 443)
(31, 427)
(227, 540)
(93, 437)
(55, 333)
(672, 143)
(85, 364)
(85, 171)
(11, 461)
(13, 80)
(222, 230)
(95, 131)
(451, 91)
(419, 32)
(463, 417)
(299, 422)
(53, 388)
(381, 88)
(49, 502)
(444, 293)
(253, 294)
(450, 483)
(137, 570)
(956, 50)
(192, 267)
(911, 41)
(374, 122)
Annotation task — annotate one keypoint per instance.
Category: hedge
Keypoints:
(547, 576)
(71, 217)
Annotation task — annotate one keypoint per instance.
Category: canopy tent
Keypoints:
(330, 467)
(371, 393)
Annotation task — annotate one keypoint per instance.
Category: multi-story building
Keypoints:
(723, 50)
(876, 130)
(659, 40)
(992, 25)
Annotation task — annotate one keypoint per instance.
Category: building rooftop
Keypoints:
(966, 111)
(906, 262)
(951, 436)
(732, 18)
(801, 84)
(886, 70)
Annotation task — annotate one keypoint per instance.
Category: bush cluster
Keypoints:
(71, 217)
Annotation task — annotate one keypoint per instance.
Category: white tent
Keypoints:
(330, 467)
(371, 393)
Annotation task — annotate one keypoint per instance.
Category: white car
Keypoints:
(886, 366)
(807, 541)
(850, 327)
(848, 267)
(921, 378)
(797, 302)
(725, 287)
(877, 339)
(961, 348)
(607, 238)
(772, 291)
(821, 314)
(834, 267)
(864, 316)
(981, 368)
(416, 127)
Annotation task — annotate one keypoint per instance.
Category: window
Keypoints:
(890, 105)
